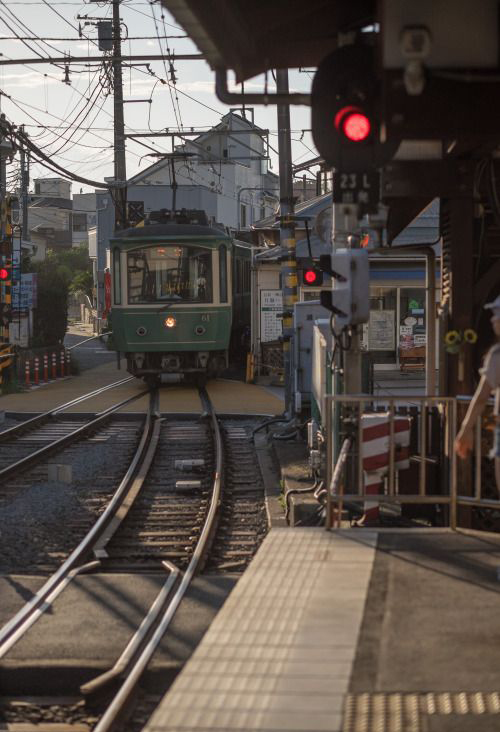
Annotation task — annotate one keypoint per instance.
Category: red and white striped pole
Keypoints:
(61, 359)
(37, 370)
(45, 366)
(54, 366)
(27, 372)
(375, 450)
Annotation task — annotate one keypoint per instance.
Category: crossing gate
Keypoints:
(375, 452)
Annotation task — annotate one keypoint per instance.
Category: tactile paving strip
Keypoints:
(399, 712)
(279, 654)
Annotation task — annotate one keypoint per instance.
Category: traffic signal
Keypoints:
(5, 273)
(349, 300)
(312, 277)
(346, 110)
(5, 291)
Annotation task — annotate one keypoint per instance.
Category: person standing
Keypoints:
(490, 381)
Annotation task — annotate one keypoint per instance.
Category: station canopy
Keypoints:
(252, 36)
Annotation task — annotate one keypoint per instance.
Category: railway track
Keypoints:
(192, 497)
(32, 441)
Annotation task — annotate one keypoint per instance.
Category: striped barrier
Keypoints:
(375, 455)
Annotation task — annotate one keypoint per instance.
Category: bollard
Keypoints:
(68, 363)
(37, 370)
(45, 366)
(54, 366)
(61, 359)
(27, 372)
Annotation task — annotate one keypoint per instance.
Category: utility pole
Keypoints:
(173, 184)
(25, 181)
(120, 192)
(5, 150)
(287, 232)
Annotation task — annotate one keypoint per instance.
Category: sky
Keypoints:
(73, 123)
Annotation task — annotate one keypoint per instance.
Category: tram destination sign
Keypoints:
(358, 188)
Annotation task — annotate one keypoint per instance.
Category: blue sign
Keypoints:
(24, 295)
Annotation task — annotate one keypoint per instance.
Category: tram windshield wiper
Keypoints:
(168, 305)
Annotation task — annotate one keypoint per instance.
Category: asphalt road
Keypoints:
(88, 355)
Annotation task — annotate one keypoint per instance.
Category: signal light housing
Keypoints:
(349, 300)
(312, 277)
(346, 110)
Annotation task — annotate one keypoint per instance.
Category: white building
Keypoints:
(84, 217)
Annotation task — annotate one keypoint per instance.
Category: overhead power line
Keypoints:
(97, 59)
(78, 40)
(16, 135)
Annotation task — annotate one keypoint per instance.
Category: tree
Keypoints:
(61, 272)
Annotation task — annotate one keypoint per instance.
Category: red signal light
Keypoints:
(357, 127)
(312, 277)
(353, 123)
(4, 274)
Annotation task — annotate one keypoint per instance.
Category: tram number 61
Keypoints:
(205, 318)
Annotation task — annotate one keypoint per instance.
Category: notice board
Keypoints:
(381, 336)
(271, 315)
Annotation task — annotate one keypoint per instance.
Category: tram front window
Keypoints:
(169, 274)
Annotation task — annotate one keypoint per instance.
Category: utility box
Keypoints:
(105, 35)
(305, 316)
(321, 374)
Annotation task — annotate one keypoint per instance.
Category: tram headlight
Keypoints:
(170, 322)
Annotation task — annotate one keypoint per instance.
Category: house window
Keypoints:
(224, 153)
(243, 215)
(79, 222)
(135, 212)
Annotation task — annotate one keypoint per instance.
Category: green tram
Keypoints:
(180, 300)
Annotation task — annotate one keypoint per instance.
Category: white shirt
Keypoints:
(491, 369)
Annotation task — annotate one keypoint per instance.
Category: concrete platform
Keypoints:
(93, 619)
(228, 396)
(351, 631)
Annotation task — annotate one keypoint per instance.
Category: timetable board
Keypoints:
(271, 315)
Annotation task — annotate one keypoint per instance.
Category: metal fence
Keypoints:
(476, 477)
(431, 450)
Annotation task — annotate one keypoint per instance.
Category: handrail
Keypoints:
(449, 406)
(359, 403)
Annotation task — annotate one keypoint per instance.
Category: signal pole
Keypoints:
(120, 193)
(287, 232)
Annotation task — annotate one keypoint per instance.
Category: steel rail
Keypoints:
(86, 340)
(39, 419)
(36, 606)
(114, 711)
(34, 457)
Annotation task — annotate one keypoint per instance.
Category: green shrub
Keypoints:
(60, 272)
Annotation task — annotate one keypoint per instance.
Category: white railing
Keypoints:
(395, 407)
(463, 487)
